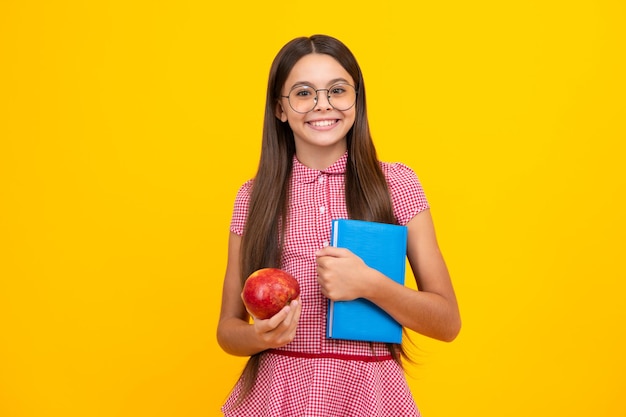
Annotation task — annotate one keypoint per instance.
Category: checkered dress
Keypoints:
(315, 376)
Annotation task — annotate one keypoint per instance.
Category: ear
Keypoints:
(279, 112)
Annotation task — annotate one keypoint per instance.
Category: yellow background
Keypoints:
(126, 128)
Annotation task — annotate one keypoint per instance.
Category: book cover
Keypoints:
(382, 246)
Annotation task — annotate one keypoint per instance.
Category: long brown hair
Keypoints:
(366, 192)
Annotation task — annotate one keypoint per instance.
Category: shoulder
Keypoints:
(243, 195)
(240, 210)
(401, 178)
(398, 173)
(245, 190)
(407, 194)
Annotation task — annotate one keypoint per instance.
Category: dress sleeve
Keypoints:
(406, 190)
(240, 211)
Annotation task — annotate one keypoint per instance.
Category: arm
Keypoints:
(431, 311)
(235, 334)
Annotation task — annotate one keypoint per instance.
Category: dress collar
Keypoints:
(304, 174)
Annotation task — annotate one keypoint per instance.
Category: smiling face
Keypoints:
(320, 135)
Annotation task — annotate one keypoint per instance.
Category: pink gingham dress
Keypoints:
(315, 376)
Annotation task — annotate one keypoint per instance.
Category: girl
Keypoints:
(318, 163)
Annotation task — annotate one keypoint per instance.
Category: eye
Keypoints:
(302, 92)
(337, 90)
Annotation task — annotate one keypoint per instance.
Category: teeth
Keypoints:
(321, 123)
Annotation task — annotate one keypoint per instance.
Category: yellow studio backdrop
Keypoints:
(126, 128)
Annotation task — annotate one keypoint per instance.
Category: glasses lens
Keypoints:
(342, 96)
(302, 98)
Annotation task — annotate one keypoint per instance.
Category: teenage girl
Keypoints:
(318, 163)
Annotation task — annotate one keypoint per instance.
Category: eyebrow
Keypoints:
(330, 83)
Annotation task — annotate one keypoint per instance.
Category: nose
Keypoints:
(321, 104)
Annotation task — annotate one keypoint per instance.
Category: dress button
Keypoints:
(322, 209)
(321, 179)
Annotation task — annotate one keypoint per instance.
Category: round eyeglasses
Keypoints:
(303, 98)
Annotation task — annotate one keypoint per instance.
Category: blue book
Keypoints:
(382, 246)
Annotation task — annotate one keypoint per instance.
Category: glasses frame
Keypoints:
(317, 95)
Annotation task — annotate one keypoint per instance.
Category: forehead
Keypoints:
(317, 70)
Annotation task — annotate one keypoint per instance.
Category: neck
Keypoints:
(319, 159)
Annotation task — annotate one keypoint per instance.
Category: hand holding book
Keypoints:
(342, 275)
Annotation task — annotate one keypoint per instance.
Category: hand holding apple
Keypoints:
(267, 290)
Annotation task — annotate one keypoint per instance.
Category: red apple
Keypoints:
(268, 290)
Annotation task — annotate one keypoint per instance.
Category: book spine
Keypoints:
(331, 304)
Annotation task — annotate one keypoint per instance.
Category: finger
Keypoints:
(292, 321)
(331, 251)
(292, 317)
(323, 291)
(296, 310)
(325, 262)
(279, 317)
